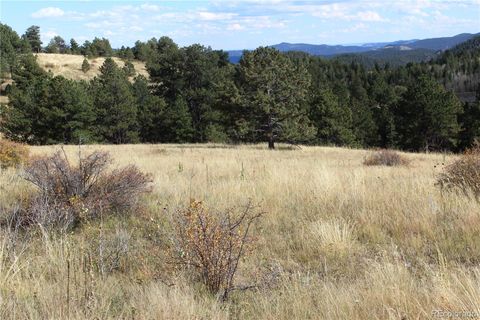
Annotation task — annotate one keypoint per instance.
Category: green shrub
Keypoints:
(85, 66)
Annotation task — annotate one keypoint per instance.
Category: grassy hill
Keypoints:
(70, 66)
(339, 240)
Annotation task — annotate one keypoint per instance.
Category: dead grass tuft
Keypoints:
(463, 175)
(385, 157)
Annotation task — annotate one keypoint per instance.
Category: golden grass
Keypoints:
(339, 241)
(70, 66)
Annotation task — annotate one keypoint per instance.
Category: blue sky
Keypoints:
(245, 24)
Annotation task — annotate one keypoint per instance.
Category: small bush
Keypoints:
(385, 158)
(12, 154)
(463, 175)
(212, 244)
(85, 66)
(68, 194)
(129, 69)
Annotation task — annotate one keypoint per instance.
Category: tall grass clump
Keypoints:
(463, 175)
(212, 244)
(67, 194)
(12, 154)
(385, 157)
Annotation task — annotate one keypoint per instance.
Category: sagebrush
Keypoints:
(463, 175)
(212, 243)
(12, 154)
(385, 157)
(67, 194)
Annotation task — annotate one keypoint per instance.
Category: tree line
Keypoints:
(194, 94)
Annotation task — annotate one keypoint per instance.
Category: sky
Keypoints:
(244, 24)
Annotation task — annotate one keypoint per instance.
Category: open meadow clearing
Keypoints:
(338, 240)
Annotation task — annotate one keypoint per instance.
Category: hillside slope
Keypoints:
(70, 66)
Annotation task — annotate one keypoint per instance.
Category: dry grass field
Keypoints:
(70, 66)
(339, 240)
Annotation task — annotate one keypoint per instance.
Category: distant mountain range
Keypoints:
(405, 51)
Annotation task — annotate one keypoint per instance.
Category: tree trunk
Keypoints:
(271, 142)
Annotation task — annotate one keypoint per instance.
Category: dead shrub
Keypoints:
(12, 154)
(385, 157)
(67, 194)
(212, 244)
(463, 175)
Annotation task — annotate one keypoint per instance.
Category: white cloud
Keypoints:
(50, 12)
(215, 16)
(150, 7)
(369, 16)
(235, 27)
(47, 36)
(357, 27)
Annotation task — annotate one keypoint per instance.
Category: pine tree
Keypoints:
(274, 93)
(74, 47)
(32, 35)
(428, 117)
(151, 113)
(115, 105)
(85, 65)
(333, 122)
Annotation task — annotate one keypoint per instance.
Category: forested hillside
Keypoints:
(194, 94)
(395, 53)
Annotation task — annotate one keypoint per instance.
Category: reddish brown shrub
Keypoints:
(212, 244)
(12, 154)
(463, 175)
(385, 158)
(68, 194)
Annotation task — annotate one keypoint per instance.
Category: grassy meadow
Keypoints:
(339, 240)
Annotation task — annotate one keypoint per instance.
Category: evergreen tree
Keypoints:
(56, 45)
(45, 109)
(85, 65)
(115, 105)
(428, 117)
(333, 122)
(274, 93)
(129, 69)
(151, 113)
(470, 123)
(32, 35)
(178, 122)
(11, 47)
(74, 47)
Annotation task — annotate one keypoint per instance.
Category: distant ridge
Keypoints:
(428, 46)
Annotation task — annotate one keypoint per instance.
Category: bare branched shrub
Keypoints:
(463, 175)
(12, 154)
(212, 244)
(68, 194)
(385, 158)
